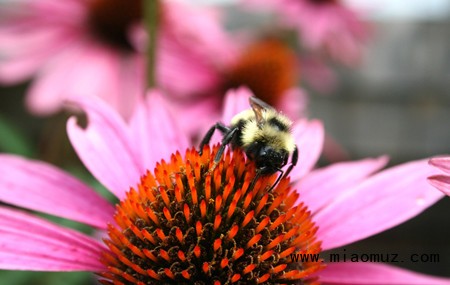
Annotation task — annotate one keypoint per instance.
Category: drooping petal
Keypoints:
(441, 182)
(374, 273)
(30, 37)
(385, 200)
(328, 25)
(155, 132)
(105, 147)
(309, 138)
(55, 82)
(183, 73)
(442, 163)
(190, 56)
(30, 243)
(19, 63)
(320, 187)
(42, 187)
(214, 41)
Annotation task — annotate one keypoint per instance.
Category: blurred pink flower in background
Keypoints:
(347, 200)
(268, 67)
(194, 50)
(323, 25)
(94, 48)
(441, 181)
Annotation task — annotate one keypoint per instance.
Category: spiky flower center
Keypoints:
(268, 68)
(194, 222)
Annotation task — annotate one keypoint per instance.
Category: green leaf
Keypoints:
(46, 278)
(12, 140)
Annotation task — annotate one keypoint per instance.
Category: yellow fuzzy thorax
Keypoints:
(270, 134)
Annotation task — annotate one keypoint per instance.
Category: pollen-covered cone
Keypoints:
(194, 221)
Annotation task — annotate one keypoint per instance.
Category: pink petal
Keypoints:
(118, 78)
(175, 61)
(320, 187)
(309, 138)
(51, 85)
(294, 103)
(155, 132)
(197, 116)
(43, 187)
(236, 101)
(30, 243)
(18, 62)
(442, 163)
(129, 82)
(387, 199)
(34, 34)
(374, 273)
(105, 147)
(198, 49)
(441, 182)
(205, 35)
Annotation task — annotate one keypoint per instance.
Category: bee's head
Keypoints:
(269, 160)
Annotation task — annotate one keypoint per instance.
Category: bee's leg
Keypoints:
(226, 140)
(278, 179)
(258, 174)
(207, 138)
(294, 161)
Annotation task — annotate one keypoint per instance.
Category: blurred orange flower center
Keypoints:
(268, 68)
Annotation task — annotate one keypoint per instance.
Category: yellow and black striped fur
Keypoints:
(263, 134)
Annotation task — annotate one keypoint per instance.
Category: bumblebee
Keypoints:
(263, 134)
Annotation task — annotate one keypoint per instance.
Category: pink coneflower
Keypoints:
(192, 220)
(94, 48)
(323, 25)
(440, 181)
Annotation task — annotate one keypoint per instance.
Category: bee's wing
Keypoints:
(258, 107)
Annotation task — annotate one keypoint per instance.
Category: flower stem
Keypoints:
(151, 8)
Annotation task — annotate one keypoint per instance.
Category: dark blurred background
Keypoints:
(398, 103)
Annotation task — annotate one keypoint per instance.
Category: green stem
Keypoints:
(151, 8)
